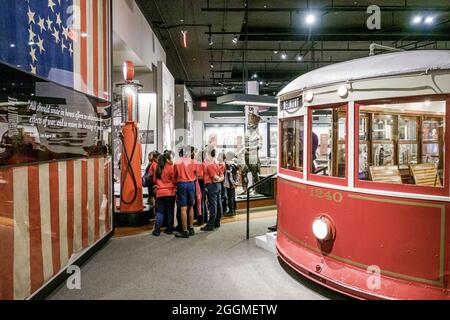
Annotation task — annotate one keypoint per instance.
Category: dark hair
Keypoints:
(162, 159)
(213, 153)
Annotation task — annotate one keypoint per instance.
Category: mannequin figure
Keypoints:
(253, 143)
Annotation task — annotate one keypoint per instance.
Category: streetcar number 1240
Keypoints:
(327, 195)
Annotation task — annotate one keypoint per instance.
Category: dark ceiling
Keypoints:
(266, 30)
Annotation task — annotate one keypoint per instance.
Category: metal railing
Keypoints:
(260, 182)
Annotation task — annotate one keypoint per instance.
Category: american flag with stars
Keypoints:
(65, 41)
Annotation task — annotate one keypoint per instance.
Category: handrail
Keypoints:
(248, 199)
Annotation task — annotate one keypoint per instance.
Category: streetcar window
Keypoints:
(328, 142)
(292, 144)
(402, 143)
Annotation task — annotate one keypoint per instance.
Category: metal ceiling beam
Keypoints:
(332, 9)
(275, 61)
(289, 50)
(264, 34)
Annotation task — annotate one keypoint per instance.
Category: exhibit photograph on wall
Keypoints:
(168, 108)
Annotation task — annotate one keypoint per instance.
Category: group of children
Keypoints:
(198, 183)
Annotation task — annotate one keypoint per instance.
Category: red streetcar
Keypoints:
(363, 188)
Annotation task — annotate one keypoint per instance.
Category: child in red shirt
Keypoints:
(186, 176)
(214, 176)
(164, 179)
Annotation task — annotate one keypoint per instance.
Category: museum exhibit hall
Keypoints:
(212, 151)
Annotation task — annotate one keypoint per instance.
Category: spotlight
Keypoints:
(255, 76)
(235, 39)
(261, 83)
(417, 20)
(310, 19)
(212, 66)
(299, 57)
(284, 56)
(429, 20)
(275, 52)
(210, 42)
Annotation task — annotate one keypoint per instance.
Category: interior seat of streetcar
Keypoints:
(425, 174)
(389, 174)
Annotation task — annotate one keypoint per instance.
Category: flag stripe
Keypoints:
(101, 54)
(70, 207)
(105, 47)
(46, 224)
(102, 195)
(6, 235)
(84, 203)
(95, 45)
(108, 197)
(77, 56)
(54, 214)
(83, 47)
(77, 226)
(96, 199)
(91, 200)
(37, 272)
(21, 235)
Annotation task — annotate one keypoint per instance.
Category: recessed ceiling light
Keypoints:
(299, 57)
(417, 19)
(429, 20)
(310, 19)
(284, 56)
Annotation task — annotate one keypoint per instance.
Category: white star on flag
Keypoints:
(33, 69)
(33, 55)
(51, 4)
(58, 19)
(41, 24)
(63, 46)
(55, 35)
(40, 45)
(49, 23)
(31, 16)
(70, 49)
(65, 32)
(31, 33)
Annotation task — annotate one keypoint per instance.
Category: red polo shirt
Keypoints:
(166, 186)
(212, 169)
(185, 170)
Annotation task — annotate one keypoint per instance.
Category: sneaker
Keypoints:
(169, 232)
(217, 226)
(156, 233)
(207, 229)
(192, 232)
(183, 234)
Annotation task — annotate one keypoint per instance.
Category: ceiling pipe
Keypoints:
(332, 9)
(375, 46)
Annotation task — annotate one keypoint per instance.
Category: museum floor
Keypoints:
(219, 265)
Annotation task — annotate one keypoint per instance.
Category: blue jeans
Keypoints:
(214, 191)
(165, 207)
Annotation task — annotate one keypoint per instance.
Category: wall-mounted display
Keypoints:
(67, 42)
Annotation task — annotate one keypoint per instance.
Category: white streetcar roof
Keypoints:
(372, 67)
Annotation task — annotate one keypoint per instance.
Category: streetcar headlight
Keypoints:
(323, 229)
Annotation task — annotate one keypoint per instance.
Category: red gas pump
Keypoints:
(131, 211)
